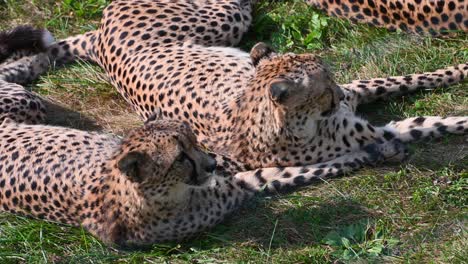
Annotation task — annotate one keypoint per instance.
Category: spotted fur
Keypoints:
(152, 186)
(136, 190)
(261, 109)
(25, 39)
(418, 16)
(18, 67)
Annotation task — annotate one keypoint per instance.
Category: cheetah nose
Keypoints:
(211, 165)
(342, 96)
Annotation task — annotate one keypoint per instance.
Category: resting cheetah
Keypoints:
(263, 109)
(327, 126)
(154, 185)
(419, 16)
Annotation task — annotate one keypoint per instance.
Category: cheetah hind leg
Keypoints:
(365, 91)
(16, 102)
(282, 179)
(25, 69)
(418, 128)
(24, 39)
(69, 50)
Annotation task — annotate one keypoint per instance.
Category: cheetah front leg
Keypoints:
(414, 129)
(285, 178)
(365, 91)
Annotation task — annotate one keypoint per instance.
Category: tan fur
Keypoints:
(419, 16)
(257, 110)
(77, 177)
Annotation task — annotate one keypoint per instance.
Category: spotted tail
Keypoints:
(418, 128)
(17, 103)
(373, 89)
(79, 47)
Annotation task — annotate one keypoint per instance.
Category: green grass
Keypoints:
(411, 213)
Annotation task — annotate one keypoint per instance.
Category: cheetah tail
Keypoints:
(71, 49)
(24, 38)
(419, 128)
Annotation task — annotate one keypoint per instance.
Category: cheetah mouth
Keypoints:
(327, 113)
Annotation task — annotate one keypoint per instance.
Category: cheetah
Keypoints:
(261, 109)
(23, 40)
(18, 67)
(438, 17)
(154, 185)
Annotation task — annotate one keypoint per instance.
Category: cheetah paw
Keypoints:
(394, 151)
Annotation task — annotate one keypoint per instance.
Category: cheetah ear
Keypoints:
(131, 165)
(8, 121)
(156, 115)
(259, 52)
(280, 90)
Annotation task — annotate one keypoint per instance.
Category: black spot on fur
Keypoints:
(416, 134)
(419, 121)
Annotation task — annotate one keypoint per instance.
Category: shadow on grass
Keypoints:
(263, 224)
(58, 115)
(270, 223)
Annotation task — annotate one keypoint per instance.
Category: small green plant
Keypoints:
(290, 25)
(448, 186)
(456, 191)
(360, 240)
(305, 31)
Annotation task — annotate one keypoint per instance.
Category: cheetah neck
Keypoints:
(121, 203)
(131, 218)
(265, 135)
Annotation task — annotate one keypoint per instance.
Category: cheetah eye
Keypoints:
(182, 157)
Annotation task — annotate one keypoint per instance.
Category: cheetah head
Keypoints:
(298, 85)
(152, 176)
(162, 154)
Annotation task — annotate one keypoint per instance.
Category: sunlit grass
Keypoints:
(414, 212)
